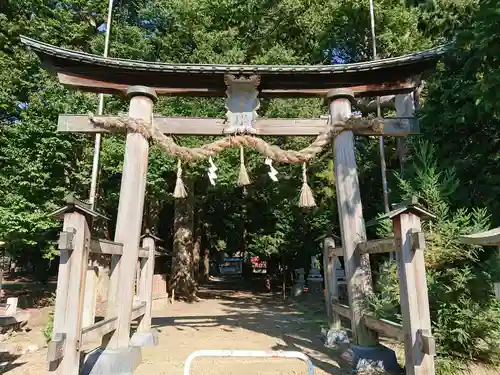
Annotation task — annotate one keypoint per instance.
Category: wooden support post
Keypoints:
(146, 282)
(352, 227)
(68, 317)
(90, 299)
(413, 294)
(332, 292)
(138, 267)
(130, 213)
(405, 107)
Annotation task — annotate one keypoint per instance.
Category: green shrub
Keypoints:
(465, 315)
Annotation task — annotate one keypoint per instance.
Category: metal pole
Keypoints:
(383, 166)
(97, 141)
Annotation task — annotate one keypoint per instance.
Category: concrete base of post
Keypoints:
(376, 359)
(334, 337)
(144, 339)
(112, 361)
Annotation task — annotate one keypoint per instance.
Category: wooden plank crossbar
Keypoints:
(98, 330)
(385, 245)
(106, 247)
(342, 310)
(398, 126)
(99, 246)
(385, 327)
(390, 329)
(90, 334)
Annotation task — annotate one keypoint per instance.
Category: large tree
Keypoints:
(461, 115)
(39, 165)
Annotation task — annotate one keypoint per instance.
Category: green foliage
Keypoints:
(49, 327)
(434, 185)
(460, 114)
(464, 313)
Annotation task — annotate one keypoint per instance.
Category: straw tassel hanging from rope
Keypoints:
(243, 179)
(180, 189)
(306, 195)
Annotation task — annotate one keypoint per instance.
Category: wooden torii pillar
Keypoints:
(130, 214)
(352, 226)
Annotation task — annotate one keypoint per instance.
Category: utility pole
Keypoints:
(383, 167)
(97, 141)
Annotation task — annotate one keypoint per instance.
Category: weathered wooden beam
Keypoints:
(90, 298)
(488, 238)
(144, 253)
(55, 348)
(385, 245)
(342, 310)
(413, 291)
(397, 127)
(405, 107)
(146, 283)
(68, 314)
(106, 247)
(417, 240)
(427, 341)
(92, 85)
(331, 286)
(65, 241)
(352, 225)
(97, 330)
(385, 327)
(130, 213)
(369, 105)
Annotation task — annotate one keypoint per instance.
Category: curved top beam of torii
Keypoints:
(94, 73)
(488, 238)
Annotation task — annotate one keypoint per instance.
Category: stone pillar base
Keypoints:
(368, 359)
(334, 337)
(144, 339)
(112, 361)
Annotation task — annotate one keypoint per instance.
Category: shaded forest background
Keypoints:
(452, 166)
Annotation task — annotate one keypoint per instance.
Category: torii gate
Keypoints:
(488, 238)
(243, 85)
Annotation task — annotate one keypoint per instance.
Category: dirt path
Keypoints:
(236, 320)
(223, 319)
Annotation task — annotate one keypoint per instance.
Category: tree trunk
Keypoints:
(283, 271)
(182, 276)
(196, 248)
(206, 265)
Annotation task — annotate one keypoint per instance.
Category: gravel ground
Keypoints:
(236, 321)
(222, 319)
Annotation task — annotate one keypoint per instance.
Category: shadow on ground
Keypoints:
(295, 329)
(7, 362)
